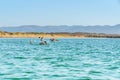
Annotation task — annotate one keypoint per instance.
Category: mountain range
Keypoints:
(115, 29)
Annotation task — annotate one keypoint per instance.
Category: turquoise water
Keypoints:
(67, 59)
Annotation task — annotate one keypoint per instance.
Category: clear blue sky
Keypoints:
(59, 12)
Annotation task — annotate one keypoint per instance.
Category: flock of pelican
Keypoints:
(43, 42)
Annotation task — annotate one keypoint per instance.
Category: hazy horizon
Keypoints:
(64, 28)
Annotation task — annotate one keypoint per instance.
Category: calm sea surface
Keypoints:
(67, 59)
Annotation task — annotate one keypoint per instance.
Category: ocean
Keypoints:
(66, 59)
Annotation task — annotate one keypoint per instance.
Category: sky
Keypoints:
(59, 12)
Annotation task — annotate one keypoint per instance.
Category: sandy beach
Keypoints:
(36, 35)
(56, 35)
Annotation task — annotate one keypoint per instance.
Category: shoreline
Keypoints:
(56, 35)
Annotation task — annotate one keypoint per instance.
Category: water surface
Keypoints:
(67, 59)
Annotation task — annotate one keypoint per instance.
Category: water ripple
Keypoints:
(67, 59)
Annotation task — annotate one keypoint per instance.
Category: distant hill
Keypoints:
(64, 28)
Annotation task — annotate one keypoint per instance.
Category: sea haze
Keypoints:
(64, 28)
